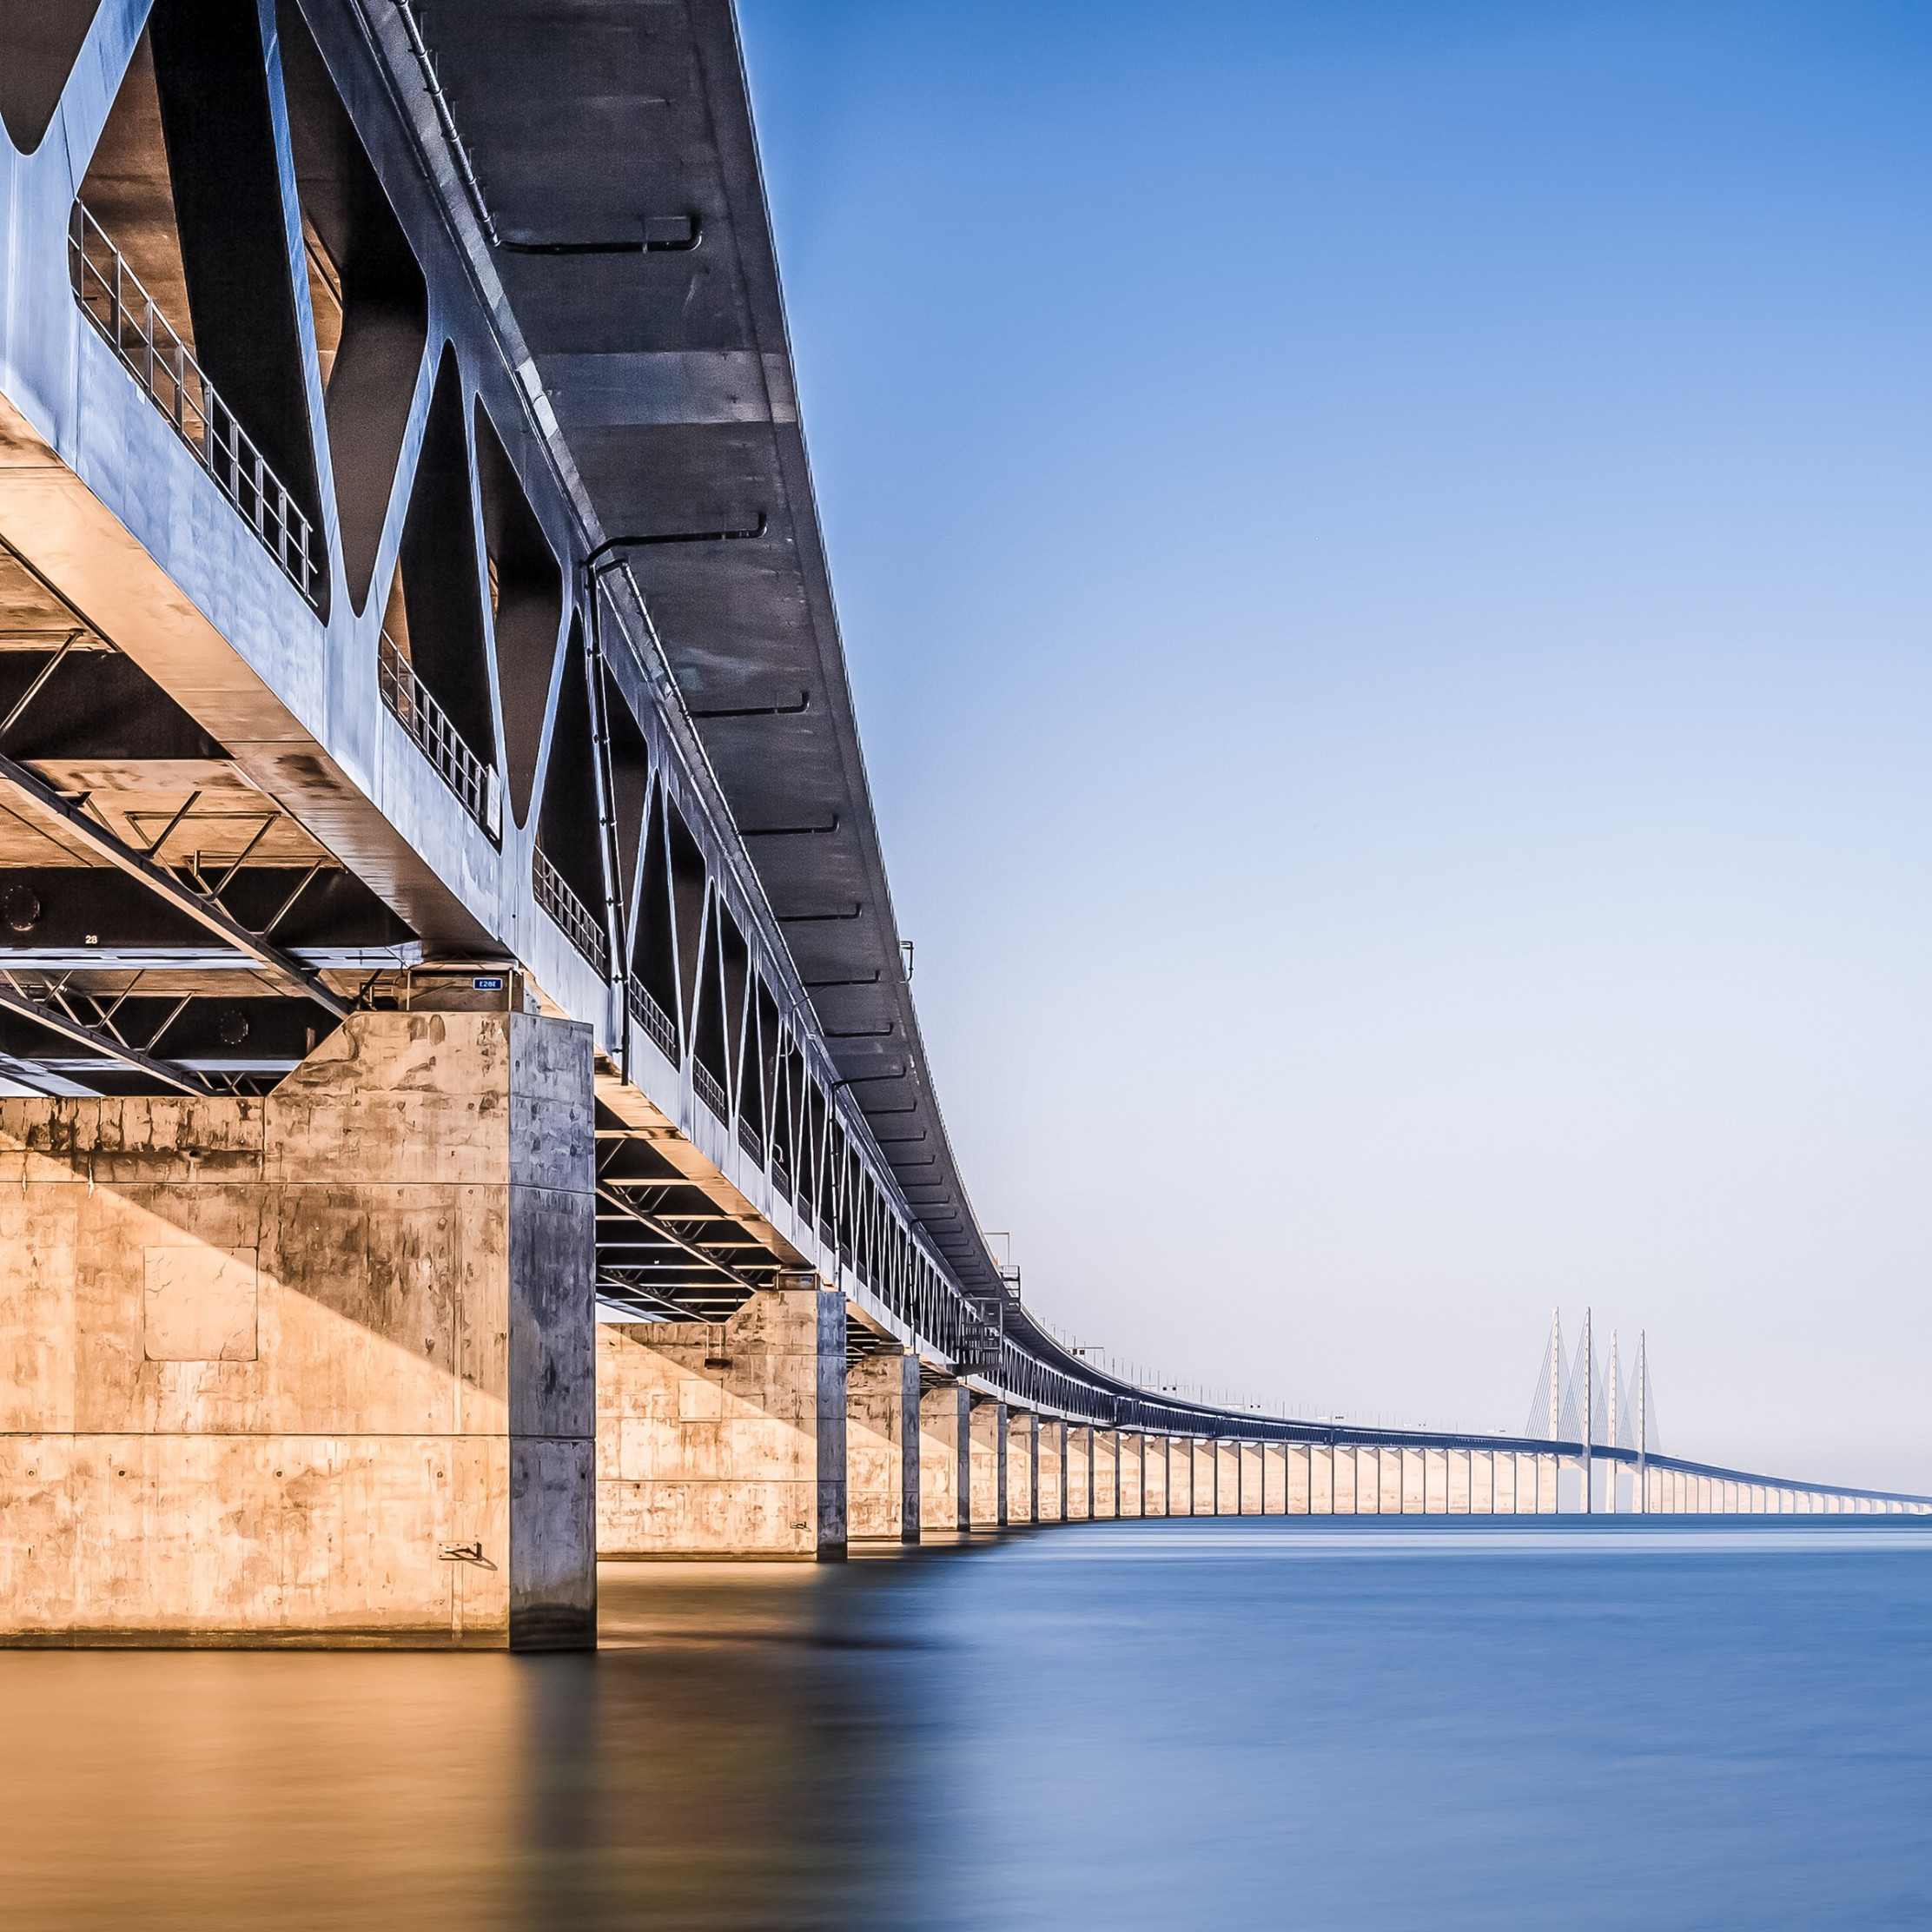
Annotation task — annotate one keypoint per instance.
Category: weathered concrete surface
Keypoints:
(1049, 1492)
(1180, 1476)
(1205, 1499)
(882, 1448)
(1300, 1458)
(1023, 1467)
(316, 1367)
(1107, 1474)
(1418, 1493)
(1156, 1474)
(1080, 1474)
(1392, 1462)
(1322, 1482)
(988, 1461)
(724, 1439)
(1228, 1472)
(945, 1459)
(1275, 1479)
(1482, 1482)
(1134, 1450)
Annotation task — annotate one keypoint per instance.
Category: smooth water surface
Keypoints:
(1353, 1725)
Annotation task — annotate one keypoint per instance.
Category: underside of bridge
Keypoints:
(439, 894)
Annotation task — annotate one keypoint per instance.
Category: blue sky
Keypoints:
(1382, 552)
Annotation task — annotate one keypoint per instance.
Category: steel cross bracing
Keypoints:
(415, 595)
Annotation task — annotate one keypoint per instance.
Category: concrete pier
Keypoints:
(1050, 1482)
(1107, 1474)
(1080, 1474)
(1023, 1467)
(882, 1447)
(1202, 1475)
(945, 1460)
(725, 1439)
(1156, 1467)
(311, 1367)
(991, 1435)
(1133, 1465)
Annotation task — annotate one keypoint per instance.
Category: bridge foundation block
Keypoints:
(1133, 1465)
(1079, 1473)
(724, 1439)
(882, 1448)
(1023, 1467)
(1156, 1467)
(945, 1460)
(1107, 1474)
(991, 1428)
(314, 1367)
(1049, 1465)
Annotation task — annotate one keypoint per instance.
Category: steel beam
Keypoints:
(280, 966)
(55, 1022)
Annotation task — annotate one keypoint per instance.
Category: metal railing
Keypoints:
(112, 298)
(656, 1022)
(704, 1085)
(748, 1139)
(572, 916)
(413, 707)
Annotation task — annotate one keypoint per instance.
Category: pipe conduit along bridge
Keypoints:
(440, 896)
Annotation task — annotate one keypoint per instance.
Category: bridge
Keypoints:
(468, 1115)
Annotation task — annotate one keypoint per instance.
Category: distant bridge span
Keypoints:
(439, 883)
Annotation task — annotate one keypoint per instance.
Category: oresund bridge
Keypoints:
(440, 896)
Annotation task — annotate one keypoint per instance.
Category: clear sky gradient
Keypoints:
(1383, 553)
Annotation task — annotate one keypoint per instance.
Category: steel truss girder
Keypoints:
(101, 1042)
(607, 1194)
(288, 971)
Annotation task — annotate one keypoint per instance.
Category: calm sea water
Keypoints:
(1353, 1725)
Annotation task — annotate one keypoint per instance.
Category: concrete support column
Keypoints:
(1050, 1504)
(1322, 1480)
(1022, 1467)
(1106, 1475)
(1275, 1479)
(1546, 1471)
(1180, 1476)
(1342, 1460)
(312, 1367)
(1230, 1473)
(882, 1448)
(1080, 1474)
(1295, 1458)
(1422, 1481)
(724, 1439)
(1133, 1465)
(990, 1429)
(945, 1460)
(1459, 1503)
(1393, 1474)
(1502, 1482)
(1206, 1500)
(1154, 1499)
